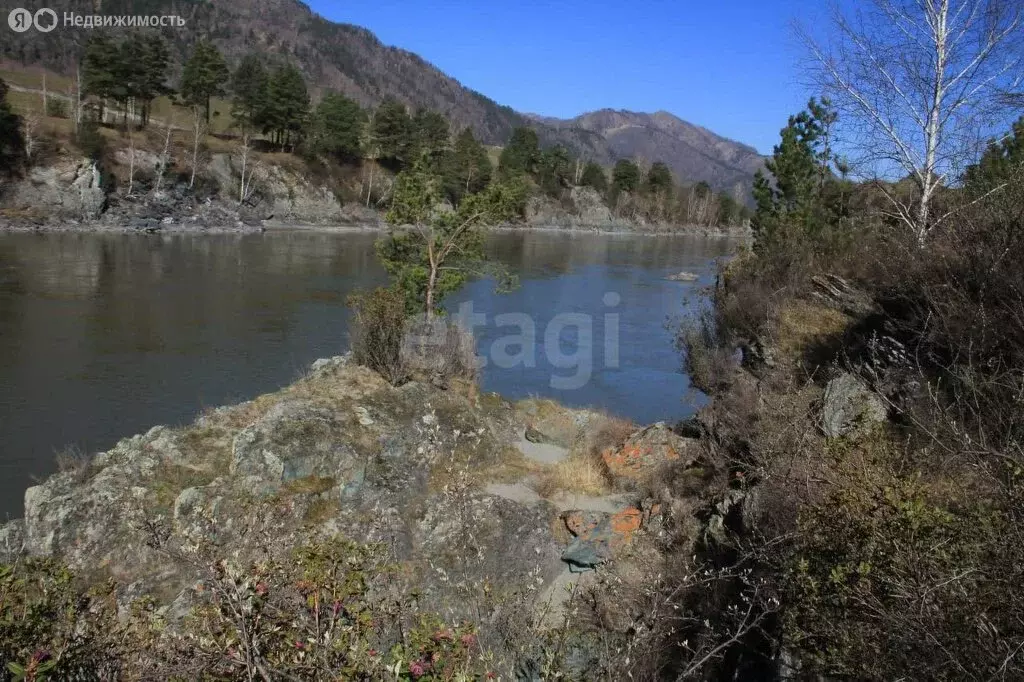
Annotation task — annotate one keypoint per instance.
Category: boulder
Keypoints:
(12, 540)
(646, 451)
(598, 535)
(849, 406)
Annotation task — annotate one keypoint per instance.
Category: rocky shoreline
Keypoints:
(448, 478)
(70, 195)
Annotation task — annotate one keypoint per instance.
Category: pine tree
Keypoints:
(520, 155)
(100, 70)
(659, 179)
(626, 176)
(1001, 163)
(442, 248)
(12, 141)
(554, 169)
(392, 132)
(287, 105)
(792, 203)
(336, 127)
(151, 81)
(467, 168)
(594, 176)
(248, 92)
(203, 77)
(430, 135)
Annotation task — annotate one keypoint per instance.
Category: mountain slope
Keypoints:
(693, 153)
(353, 61)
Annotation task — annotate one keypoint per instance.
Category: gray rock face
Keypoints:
(69, 189)
(585, 209)
(12, 540)
(281, 194)
(293, 440)
(849, 406)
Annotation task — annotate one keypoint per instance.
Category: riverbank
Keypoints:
(23, 225)
(71, 194)
(491, 512)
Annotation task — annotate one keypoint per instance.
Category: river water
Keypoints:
(104, 336)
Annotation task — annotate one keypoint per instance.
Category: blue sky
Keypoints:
(731, 65)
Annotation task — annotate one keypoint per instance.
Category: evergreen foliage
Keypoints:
(204, 76)
(12, 142)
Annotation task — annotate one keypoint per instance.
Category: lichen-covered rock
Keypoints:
(645, 452)
(339, 453)
(598, 535)
(69, 188)
(12, 540)
(293, 440)
(849, 406)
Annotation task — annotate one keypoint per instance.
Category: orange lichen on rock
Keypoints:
(644, 452)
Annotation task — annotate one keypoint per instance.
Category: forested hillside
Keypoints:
(352, 61)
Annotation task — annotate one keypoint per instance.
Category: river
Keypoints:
(103, 336)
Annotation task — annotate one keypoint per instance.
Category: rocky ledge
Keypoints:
(446, 480)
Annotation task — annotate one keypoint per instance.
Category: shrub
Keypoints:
(377, 332)
(57, 107)
(90, 140)
(707, 359)
(73, 459)
(51, 630)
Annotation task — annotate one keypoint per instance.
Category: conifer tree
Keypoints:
(287, 105)
(594, 176)
(204, 77)
(626, 176)
(12, 141)
(520, 155)
(336, 127)
(248, 92)
(467, 167)
(392, 132)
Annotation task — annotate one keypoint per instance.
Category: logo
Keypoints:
(21, 20)
(45, 20)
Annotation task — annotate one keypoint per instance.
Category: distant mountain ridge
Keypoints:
(352, 60)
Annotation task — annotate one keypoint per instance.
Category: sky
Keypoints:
(731, 66)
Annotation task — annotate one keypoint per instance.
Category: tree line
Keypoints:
(271, 106)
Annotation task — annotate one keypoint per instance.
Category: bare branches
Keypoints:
(920, 84)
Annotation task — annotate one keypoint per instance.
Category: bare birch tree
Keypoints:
(918, 84)
(165, 156)
(31, 124)
(198, 133)
(251, 169)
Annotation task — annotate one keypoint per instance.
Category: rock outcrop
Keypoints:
(850, 406)
(339, 453)
(70, 189)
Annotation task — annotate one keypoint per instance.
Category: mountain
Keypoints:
(692, 152)
(351, 59)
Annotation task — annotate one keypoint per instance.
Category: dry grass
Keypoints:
(584, 472)
(801, 325)
(578, 474)
(73, 459)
